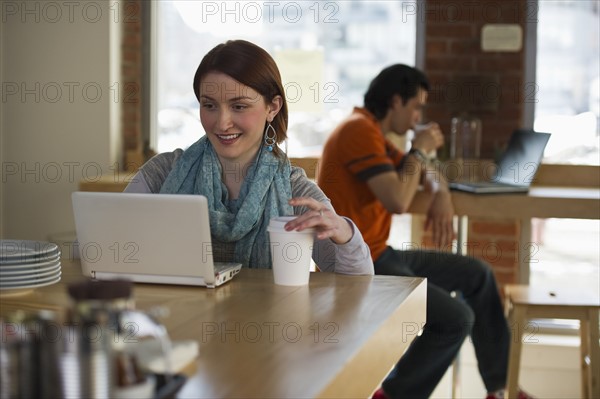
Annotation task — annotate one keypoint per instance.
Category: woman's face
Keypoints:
(233, 116)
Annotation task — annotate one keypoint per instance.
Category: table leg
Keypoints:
(527, 250)
(585, 357)
(461, 235)
(517, 320)
(594, 336)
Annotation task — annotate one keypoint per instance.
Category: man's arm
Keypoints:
(441, 210)
(396, 189)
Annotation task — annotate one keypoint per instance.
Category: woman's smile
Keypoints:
(228, 139)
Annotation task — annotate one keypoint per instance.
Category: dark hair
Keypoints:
(252, 66)
(397, 79)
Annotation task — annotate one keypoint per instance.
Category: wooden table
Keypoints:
(337, 337)
(549, 197)
(539, 202)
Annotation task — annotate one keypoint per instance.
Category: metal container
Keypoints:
(30, 356)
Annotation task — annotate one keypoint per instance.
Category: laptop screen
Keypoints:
(522, 157)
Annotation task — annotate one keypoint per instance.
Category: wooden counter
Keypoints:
(338, 337)
(540, 202)
(559, 191)
(113, 182)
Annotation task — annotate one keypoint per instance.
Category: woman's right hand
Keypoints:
(322, 218)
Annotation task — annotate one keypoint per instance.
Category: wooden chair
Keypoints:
(309, 164)
(524, 303)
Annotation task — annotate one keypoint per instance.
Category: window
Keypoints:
(327, 51)
(568, 80)
(566, 247)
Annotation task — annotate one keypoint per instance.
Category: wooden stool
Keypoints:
(525, 302)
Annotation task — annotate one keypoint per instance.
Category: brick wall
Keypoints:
(131, 83)
(497, 242)
(490, 85)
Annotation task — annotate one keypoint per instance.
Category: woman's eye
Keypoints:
(208, 105)
(239, 107)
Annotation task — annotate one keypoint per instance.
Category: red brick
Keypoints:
(132, 11)
(436, 47)
(438, 78)
(132, 56)
(467, 46)
(475, 12)
(492, 254)
(133, 40)
(494, 227)
(501, 63)
(460, 25)
(129, 71)
(512, 268)
(449, 30)
(515, 12)
(131, 131)
(449, 63)
(511, 113)
(131, 113)
(505, 278)
(435, 113)
(508, 245)
(522, 92)
(502, 263)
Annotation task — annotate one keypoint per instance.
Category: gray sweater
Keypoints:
(352, 257)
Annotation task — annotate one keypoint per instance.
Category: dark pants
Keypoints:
(476, 310)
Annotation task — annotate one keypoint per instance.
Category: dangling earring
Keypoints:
(270, 137)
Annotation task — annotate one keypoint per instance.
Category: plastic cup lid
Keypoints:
(277, 224)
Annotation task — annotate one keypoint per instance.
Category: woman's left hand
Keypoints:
(323, 219)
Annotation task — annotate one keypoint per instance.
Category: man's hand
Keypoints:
(428, 137)
(439, 217)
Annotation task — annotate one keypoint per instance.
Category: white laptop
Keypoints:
(515, 169)
(147, 238)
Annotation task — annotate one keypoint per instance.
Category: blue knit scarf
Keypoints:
(264, 194)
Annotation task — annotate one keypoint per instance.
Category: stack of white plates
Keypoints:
(28, 264)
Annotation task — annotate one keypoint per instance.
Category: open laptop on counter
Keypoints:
(147, 238)
(515, 169)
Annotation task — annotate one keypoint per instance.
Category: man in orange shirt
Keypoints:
(369, 180)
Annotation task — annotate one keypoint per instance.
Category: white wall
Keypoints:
(59, 116)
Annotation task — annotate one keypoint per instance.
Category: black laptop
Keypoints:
(515, 169)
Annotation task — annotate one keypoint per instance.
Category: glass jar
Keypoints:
(465, 147)
(465, 137)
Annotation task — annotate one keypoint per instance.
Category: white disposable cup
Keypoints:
(291, 252)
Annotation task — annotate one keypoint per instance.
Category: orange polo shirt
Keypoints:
(354, 152)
